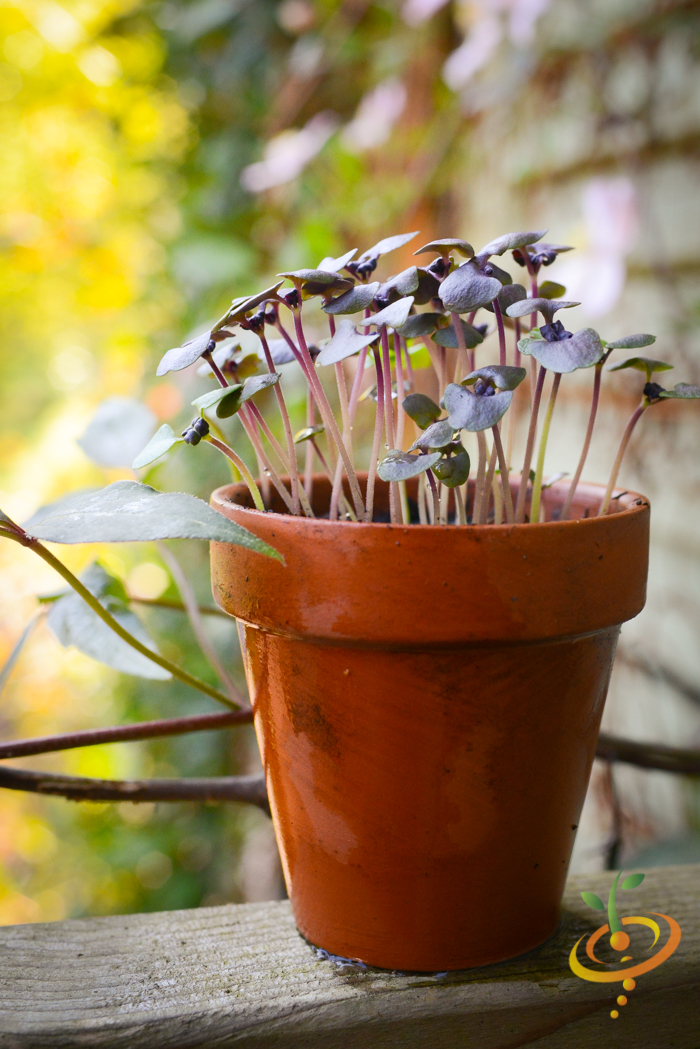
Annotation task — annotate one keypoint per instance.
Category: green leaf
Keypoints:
(421, 409)
(501, 376)
(582, 350)
(682, 391)
(159, 444)
(549, 289)
(448, 336)
(467, 288)
(75, 624)
(437, 435)
(593, 901)
(117, 431)
(509, 241)
(642, 364)
(474, 412)
(183, 356)
(546, 306)
(354, 300)
(421, 324)
(383, 247)
(446, 245)
(393, 316)
(345, 343)
(226, 400)
(257, 383)
(454, 471)
(307, 433)
(633, 881)
(400, 466)
(632, 342)
(129, 512)
(335, 265)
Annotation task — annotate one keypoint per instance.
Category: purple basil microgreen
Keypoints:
(508, 242)
(509, 294)
(308, 434)
(500, 376)
(257, 383)
(683, 391)
(420, 408)
(161, 442)
(397, 287)
(467, 288)
(445, 246)
(492, 270)
(383, 247)
(239, 307)
(453, 470)
(225, 401)
(642, 364)
(401, 466)
(437, 435)
(581, 350)
(393, 316)
(538, 255)
(447, 336)
(428, 286)
(336, 265)
(547, 307)
(279, 351)
(183, 356)
(352, 301)
(301, 277)
(419, 324)
(346, 342)
(631, 342)
(221, 357)
(477, 410)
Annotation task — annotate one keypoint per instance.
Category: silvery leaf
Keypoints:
(582, 350)
(502, 376)
(467, 288)
(470, 411)
(257, 383)
(421, 324)
(508, 294)
(393, 316)
(354, 300)
(502, 275)
(684, 391)
(438, 435)
(454, 471)
(549, 289)
(383, 247)
(444, 246)
(58, 505)
(307, 433)
(336, 265)
(421, 409)
(159, 444)
(509, 241)
(221, 357)
(448, 336)
(311, 288)
(129, 512)
(642, 364)
(74, 624)
(428, 287)
(279, 351)
(400, 466)
(183, 356)
(317, 276)
(117, 431)
(346, 342)
(526, 306)
(241, 306)
(632, 342)
(400, 284)
(226, 401)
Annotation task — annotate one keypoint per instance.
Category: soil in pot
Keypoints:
(427, 703)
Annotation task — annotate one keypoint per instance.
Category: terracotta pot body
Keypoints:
(427, 703)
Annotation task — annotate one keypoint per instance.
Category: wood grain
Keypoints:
(241, 976)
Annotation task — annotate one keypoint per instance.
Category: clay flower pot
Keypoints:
(427, 702)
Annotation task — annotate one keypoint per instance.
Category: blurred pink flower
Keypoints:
(376, 115)
(287, 154)
(414, 12)
(597, 274)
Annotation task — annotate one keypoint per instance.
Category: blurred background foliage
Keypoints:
(160, 158)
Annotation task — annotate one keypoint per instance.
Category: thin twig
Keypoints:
(649, 755)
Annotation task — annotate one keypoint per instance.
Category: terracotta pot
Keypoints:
(427, 703)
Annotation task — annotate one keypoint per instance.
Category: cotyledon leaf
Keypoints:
(472, 411)
(632, 342)
(346, 342)
(400, 466)
(467, 288)
(511, 240)
(383, 247)
(159, 444)
(393, 316)
(354, 300)
(582, 350)
(422, 409)
(437, 435)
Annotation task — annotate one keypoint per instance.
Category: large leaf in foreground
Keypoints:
(117, 431)
(129, 512)
(75, 624)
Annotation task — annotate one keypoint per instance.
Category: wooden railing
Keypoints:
(241, 976)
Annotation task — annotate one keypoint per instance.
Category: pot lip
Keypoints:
(633, 503)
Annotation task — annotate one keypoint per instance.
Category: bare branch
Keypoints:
(649, 755)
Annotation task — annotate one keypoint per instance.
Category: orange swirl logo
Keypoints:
(620, 941)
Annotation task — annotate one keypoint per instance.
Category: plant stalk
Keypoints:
(503, 467)
(480, 477)
(376, 439)
(531, 434)
(636, 416)
(586, 444)
(242, 469)
(537, 486)
(286, 423)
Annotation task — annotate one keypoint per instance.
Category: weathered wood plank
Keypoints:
(241, 976)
